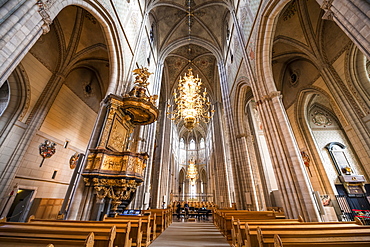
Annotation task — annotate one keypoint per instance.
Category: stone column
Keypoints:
(353, 18)
(243, 181)
(162, 161)
(20, 29)
(218, 167)
(81, 192)
(288, 166)
(148, 136)
(249, 149)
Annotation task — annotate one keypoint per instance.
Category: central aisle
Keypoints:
(194, 234)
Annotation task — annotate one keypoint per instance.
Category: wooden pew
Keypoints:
(143, 220)
(226, 217)
(37, 240)
(150, 227)
(240, 229)
(250, 216)
(163, 218)
(323, 238)
(286, 232)
(22, 234)
(221, 216)
(147, 217)
(246, 232)
(153, 225)
(123, 230)
(279, 211)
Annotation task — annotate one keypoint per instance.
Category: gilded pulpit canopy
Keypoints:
(112, 169)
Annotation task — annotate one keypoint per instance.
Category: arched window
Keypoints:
(339, 157)
(201, 144)
(4, 97)
(182, 151)
(182, 143)
(192, 144)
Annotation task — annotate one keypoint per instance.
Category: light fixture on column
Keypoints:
(190, 103)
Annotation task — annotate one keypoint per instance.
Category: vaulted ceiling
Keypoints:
(206, 21)
(190, 34)
(303, 43)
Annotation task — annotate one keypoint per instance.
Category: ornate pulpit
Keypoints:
(112, 169)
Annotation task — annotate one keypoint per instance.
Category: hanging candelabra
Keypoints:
(192, 172)
(190, 104)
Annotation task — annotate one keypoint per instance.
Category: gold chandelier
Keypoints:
(192, 172)
(191, 104)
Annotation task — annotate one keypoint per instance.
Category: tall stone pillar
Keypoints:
(148, 137)
(20, 28)
(221, 179)
(242, 174)
(357, 27)
(293, 184)
(161, 162)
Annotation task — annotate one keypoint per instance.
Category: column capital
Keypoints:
(326, 5)
(45, 16)
(275, 94)
(269, 96)
(241, 135)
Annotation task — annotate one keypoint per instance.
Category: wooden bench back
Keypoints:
(124, 235)
(74, 236)
(327, 237)
(147, 226)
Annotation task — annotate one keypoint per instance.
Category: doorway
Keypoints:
(18, 210)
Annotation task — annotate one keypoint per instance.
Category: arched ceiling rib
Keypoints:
(200, 40)
(173, 21)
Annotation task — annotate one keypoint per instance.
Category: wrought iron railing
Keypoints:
(349, 214)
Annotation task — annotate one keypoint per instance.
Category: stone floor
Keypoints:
(191, 234)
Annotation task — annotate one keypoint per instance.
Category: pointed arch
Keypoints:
(19, 98)
(203, 176)
(110, 27)
(320, 122)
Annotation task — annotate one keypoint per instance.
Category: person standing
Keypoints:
(186, 207)
(178, 210)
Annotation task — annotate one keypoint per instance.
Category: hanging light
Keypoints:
(192, 172)
(190, 103)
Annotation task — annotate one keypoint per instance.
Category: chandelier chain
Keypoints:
(190, 103)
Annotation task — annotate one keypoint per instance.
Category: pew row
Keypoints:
(35, 236)
(247, 234)
(163, 219)
(127, 233)
(322, 238)
(223, 219)
(146, 226)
